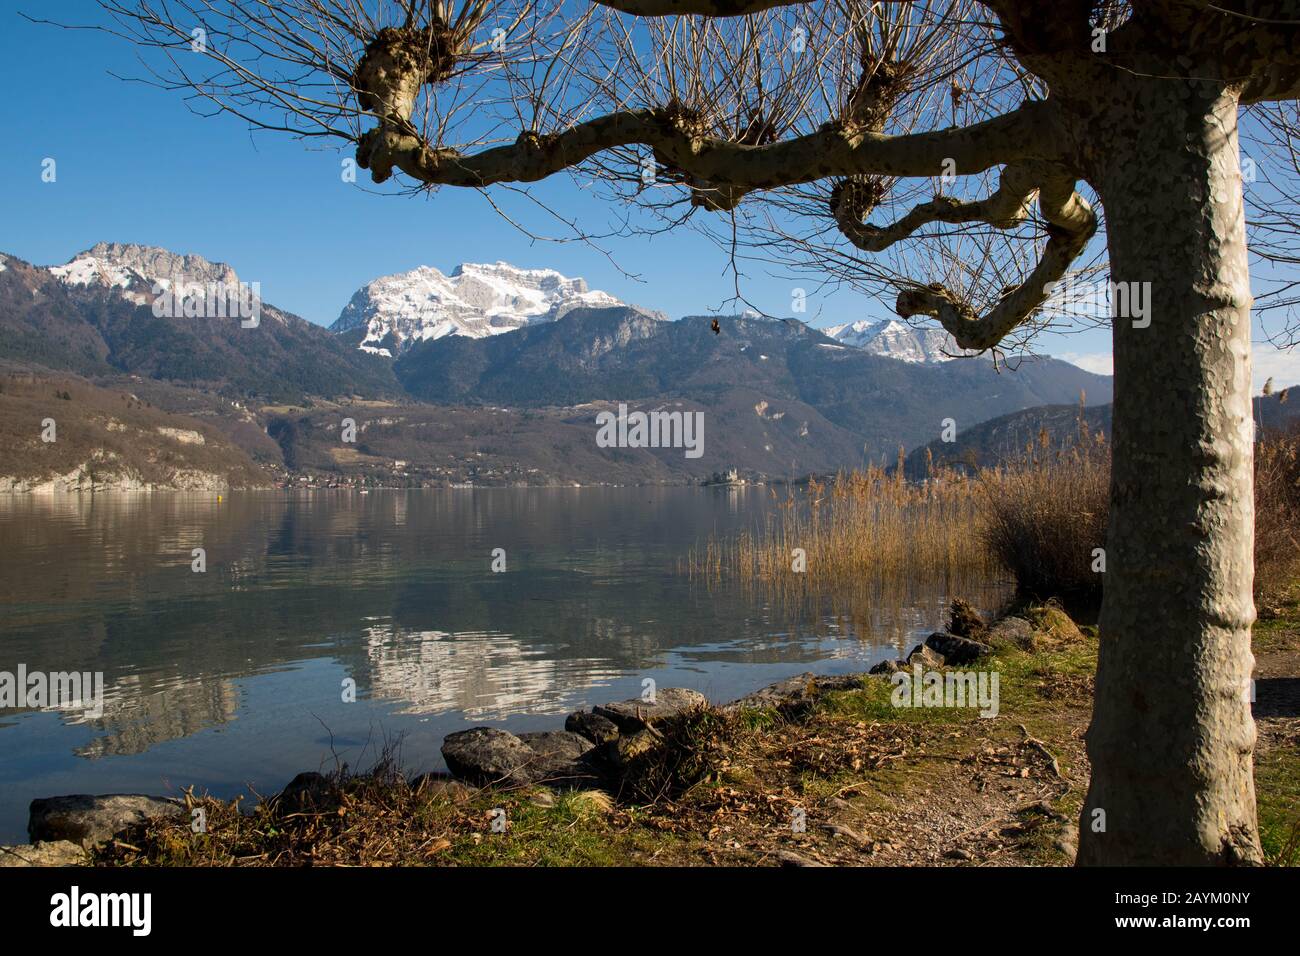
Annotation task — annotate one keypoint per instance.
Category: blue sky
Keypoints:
(135, 165)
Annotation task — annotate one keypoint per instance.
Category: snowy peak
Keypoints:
(475, 300)
(121, 265)
(893, 339)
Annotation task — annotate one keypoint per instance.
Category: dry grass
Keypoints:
(1042, 516)
(1039, 517)
(864, 528)
(1277, 514)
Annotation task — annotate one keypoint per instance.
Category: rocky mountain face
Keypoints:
(129, 266)
(496, 375)
(96, 315)
(784, 371)
(897, 340)
(391, 314)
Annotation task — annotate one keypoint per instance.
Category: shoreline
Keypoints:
(807, 771)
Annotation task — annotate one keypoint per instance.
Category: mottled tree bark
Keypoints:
(1172, 733)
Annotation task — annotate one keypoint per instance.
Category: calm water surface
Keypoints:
(233, 679)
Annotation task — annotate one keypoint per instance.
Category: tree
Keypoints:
(846, 109)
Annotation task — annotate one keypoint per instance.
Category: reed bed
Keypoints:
(1043, 515)
(1038, 516)
(863, 529)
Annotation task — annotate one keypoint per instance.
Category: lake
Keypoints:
(234, 679)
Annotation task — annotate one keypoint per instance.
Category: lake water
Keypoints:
(233, 679)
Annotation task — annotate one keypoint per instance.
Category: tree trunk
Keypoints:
(1172, 733)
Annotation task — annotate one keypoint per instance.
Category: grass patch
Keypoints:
(1277, 792)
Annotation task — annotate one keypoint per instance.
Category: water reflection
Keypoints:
(229, 676)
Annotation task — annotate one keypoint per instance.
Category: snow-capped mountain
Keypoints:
(894, 339)
(476, 300)
(123, 264)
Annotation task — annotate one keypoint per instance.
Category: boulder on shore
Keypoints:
(956, 650)
(597, 729)
(56, 853)
(637, 714)
(925, 656)
(485, 755)
(90, 820)
(1015, 631)
(795, 690)
(565, 759)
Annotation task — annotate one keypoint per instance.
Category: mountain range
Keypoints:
(491, 374)
(395, 312)
(894, 339)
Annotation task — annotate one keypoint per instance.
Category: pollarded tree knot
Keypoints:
(882, 83)
(398, 62)
(534, 141)
(853, 200)
(685, 120)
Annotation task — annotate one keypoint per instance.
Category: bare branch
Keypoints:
(1028, 133)
(1071, 224)
(1007, 208)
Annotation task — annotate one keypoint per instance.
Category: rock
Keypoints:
(925, 656)
(486, 755)
(597, 729)
(636, 714)
(1012, 630)
(628, 747)
(440, 785)
(93, 820)
(55, 853)
(965, 621)
(1053, 626)
(783, 693)
(564, 758)
(562, 745)
(307, 793)
(887, 667)
(956, 650)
